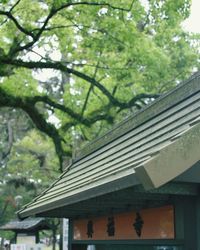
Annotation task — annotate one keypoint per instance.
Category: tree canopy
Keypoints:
(69, 69)
(106, 57)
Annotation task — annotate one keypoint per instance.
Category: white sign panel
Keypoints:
(27, 247)
(18, 246)
(65, 233)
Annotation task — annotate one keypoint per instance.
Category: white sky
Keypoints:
(192, 24)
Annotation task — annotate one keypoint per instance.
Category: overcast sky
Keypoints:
(193, 22)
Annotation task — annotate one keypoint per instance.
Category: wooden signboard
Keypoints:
(155, 223)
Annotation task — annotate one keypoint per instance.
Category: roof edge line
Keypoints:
(166, 100)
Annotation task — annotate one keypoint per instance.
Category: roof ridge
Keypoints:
(182, 90)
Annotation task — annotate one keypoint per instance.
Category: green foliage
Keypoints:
(20, 83)
(38, 151)
(117, 48)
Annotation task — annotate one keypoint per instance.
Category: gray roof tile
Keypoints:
(116, 155)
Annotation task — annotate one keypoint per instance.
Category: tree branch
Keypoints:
(27, 104)
(103, 31)
(92, 4)
(10, 141)
(56, 27)
(89, 91)
(52, 13)
(47, 100)
(60, 66)
(12, 8)
(140, 97)
(11, 17)
(7, 100)
(79, 118)
(87, 78)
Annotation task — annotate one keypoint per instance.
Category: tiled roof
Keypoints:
(109, 164)
(29, 224)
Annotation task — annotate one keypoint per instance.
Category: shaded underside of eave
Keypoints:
(132, 198)
(119, 184)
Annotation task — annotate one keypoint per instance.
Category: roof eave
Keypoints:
(119, 184)
(172, 161)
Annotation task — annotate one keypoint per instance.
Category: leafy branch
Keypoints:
(54, 10)
(28, 104)
(103, 4)
(83, 76)
(9, 15)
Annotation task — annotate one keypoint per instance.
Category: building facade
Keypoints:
(136, 187)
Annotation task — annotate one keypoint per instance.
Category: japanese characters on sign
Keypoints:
(111, 226)
(138, 224)
(154, 223)
(90, 229)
